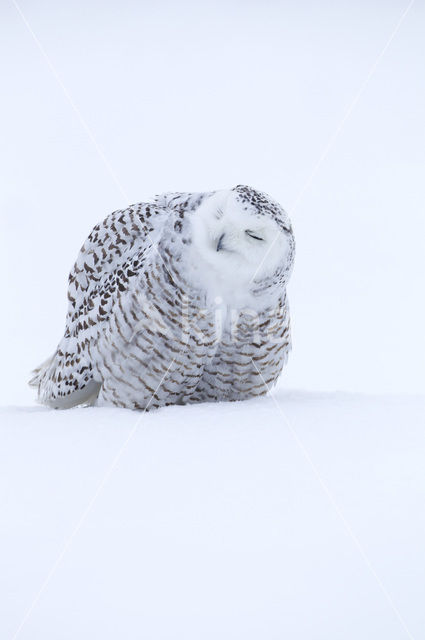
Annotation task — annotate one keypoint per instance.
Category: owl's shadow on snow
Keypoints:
(279, 397)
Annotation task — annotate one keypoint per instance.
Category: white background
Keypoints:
(299, 515)
(203, 96)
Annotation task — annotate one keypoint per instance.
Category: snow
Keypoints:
(267, 518)
(303, 519)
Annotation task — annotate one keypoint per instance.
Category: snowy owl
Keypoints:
(175, 301)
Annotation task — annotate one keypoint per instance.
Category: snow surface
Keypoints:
(217, 521)
(220, 521)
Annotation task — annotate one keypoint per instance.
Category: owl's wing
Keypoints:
(112, 244)
(109, 259)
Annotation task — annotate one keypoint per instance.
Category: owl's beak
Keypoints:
(220, 242)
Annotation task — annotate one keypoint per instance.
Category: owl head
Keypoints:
(243, 236)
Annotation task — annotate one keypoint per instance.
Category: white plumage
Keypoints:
(181, 300)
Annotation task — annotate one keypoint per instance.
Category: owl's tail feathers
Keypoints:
(38, 372)
(50, 382)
